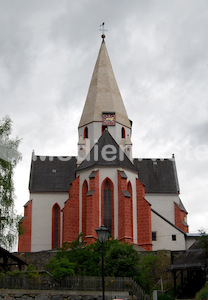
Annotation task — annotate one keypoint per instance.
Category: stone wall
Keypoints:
(59, 295)
(36, 259)
(40, 259)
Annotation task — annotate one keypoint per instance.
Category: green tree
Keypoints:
(148, 269)
(121, 260)
(203, 241)
(9, 157)
(61, 267)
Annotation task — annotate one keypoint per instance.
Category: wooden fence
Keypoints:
(44, 281)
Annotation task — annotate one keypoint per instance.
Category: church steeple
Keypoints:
(103, 94)
(104, 108)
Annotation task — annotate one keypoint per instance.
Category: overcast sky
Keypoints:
(159, 53)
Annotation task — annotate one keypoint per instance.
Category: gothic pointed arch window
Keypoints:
(129, 189)
(56, 218)
(86, 133)
(84, 206)
(123, 133)
(108, 205)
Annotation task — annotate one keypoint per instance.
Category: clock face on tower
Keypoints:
(109, 119)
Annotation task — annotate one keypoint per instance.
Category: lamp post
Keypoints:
(102, 234)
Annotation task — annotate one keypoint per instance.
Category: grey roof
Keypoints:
(114, 159)
(9, 259)
(197, 234)
(123, 174)
(90, 193)
(193, 258)
(93, 174)
(126, 194)
(51, 174)
(181, 206)
(158, 175)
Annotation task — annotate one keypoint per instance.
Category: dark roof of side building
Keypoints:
(158, 175)
(51, 173)
(10, 260)
(117, 158)
(194, 258)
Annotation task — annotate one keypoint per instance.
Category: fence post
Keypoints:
(155, 295)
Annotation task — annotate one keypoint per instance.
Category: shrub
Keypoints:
(203, 293)
(60, 267)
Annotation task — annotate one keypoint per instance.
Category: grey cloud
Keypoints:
(158, 51)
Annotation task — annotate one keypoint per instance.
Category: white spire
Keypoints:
(103, 94)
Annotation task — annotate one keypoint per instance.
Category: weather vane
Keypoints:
(103, 30)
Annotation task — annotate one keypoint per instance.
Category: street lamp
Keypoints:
(102, 234)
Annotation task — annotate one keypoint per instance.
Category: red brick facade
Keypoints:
(90, 213)
(71, 214)
(144, 230)
(180, 216)
(92, 209)
(24, 244)
(125, 224)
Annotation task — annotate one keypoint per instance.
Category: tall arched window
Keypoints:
(84, 206)
(56, 212)
(86, 133)
(108, 205)
(123, 133)
(129, 189)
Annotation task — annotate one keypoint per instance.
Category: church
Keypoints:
(138, 200)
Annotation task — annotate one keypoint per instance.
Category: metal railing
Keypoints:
(44, 281)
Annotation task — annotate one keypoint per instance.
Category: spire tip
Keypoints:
(103, 30)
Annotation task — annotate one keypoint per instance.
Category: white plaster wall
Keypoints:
(164, 204)
(42, 218)
(164, 232)
(190, 241)
(112, 174)
(95, 130)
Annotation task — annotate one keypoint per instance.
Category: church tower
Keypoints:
(103, 109)
(106, 190)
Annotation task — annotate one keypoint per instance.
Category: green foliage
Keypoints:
(61, 267)
(203, 294)
(167, 296)
(121, 260)
(203, 241)
(9, 156)
(148, 268)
